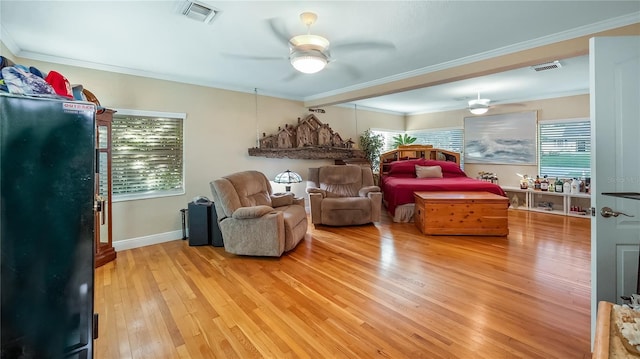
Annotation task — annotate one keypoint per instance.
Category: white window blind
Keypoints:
(450, 139)
(147, 154)
(565, 148)
(447, 139)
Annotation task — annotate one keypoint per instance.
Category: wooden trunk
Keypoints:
(461, 213)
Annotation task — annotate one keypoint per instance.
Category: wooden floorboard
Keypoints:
(373, 291)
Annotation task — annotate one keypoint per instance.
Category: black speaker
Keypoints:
(216, 235)
(203, 225)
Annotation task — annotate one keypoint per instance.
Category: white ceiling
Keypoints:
(151, 38)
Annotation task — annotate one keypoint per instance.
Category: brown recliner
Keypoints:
(343, 195)
(253, 221)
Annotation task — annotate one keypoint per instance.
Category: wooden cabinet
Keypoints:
(104, 251)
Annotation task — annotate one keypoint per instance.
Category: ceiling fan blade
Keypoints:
(352, 70)
(251, 57)
(505, 104)
(362, 45)
(278, 29)
(510, 105)
(292, 76)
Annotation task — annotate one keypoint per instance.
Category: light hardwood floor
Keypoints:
(374, 291)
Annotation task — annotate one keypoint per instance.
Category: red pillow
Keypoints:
(449, 169)
(404, 167)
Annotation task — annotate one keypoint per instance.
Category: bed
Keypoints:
(401, 177)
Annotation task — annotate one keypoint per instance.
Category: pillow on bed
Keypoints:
(404, 167)
(407, 168)
(428, 171)
(449, 169)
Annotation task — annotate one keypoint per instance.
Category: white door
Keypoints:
(615, 129)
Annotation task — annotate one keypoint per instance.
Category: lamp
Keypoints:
(309, 61)
(307, 52)
(287, 177)
(479, 106)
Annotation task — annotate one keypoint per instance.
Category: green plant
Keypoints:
(404, 139)
(372, 144)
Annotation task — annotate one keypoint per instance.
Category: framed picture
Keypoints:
(501, 139)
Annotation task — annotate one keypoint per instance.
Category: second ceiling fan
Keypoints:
(479, 106)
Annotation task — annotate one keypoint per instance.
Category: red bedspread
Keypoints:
(398, 190)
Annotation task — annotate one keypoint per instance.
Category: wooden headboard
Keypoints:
(409, 152)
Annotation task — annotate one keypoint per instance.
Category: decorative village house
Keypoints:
(309, 139)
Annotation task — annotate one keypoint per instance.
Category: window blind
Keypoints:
(565, 148)
(147, 156)
(450, 139)
(447, 139)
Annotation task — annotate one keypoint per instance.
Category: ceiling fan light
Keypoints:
(478, 111)
(479, 106)
(308, 64)
(309, 41)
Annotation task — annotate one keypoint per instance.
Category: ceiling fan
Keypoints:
(480, 106)
(310, 53)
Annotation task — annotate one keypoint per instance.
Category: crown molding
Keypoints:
(355, 107)
(546, 96)
(7, 40)
(149, 74)
(610, 24)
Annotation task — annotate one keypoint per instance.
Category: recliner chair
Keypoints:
(253, 221)
(343, 195)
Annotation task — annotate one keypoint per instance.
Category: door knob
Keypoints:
(607, 212)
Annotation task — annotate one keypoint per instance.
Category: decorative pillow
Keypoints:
(428, 171)
(404, 167)
(449, 169)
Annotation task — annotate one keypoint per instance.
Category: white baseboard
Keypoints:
(147, 240)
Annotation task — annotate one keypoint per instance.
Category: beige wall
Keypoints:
(551, 109)
(220, 126)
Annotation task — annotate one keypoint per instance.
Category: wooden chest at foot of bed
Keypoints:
(461, 213)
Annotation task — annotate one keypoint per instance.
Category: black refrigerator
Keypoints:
(47, 172)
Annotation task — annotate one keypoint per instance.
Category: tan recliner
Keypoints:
(252, 220)
(343, 195)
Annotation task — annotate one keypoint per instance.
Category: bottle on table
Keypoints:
(544, 184)
(575, 186)
(559, 185)
(566, 187)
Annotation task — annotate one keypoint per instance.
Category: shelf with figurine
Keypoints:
(569, 197)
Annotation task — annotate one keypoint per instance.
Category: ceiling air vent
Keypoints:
(547, 66)
(199, 11)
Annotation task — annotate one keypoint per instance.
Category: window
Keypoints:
(565, 148)
(447, 139)
(450, 139)
(147, 154)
